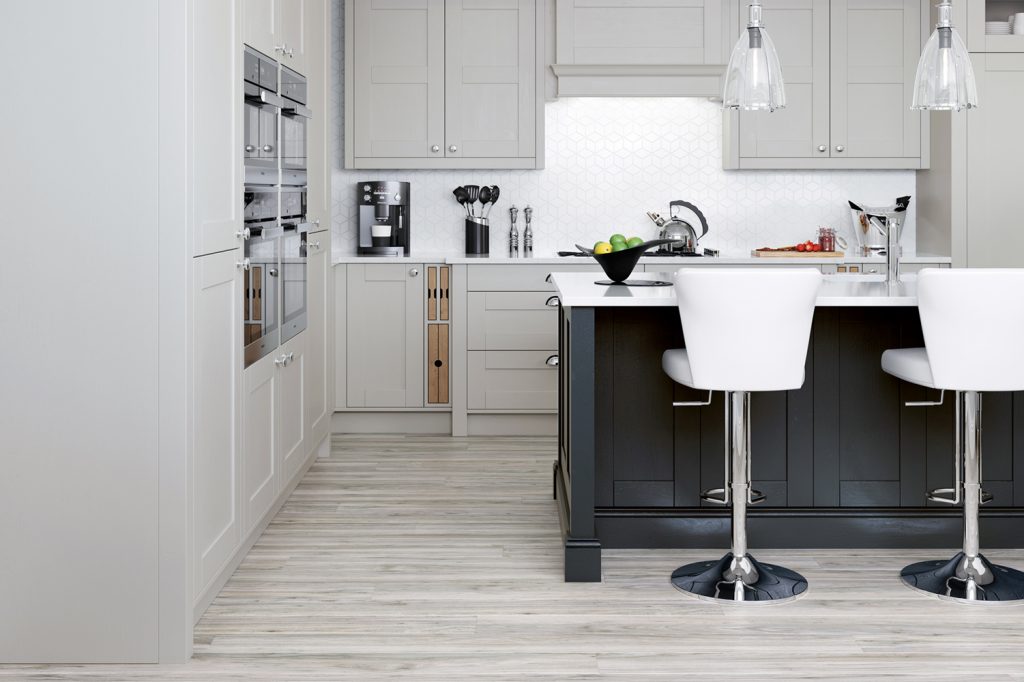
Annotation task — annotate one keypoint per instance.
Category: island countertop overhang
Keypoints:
(580, 290)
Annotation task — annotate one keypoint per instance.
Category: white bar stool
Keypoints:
(745, 330)
(973, 323)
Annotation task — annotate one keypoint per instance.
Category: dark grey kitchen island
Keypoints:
(843, 461)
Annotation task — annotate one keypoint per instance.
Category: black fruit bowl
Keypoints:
(618, 265)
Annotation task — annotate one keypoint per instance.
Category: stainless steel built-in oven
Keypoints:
(262, 105)
(294, 118)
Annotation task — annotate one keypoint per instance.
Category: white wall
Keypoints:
(611, 160)
(79, 401)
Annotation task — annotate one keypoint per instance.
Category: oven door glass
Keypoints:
(260, 292)
(293, 139)
(293, 280)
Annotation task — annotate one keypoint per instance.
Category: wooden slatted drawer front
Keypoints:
(512, 320)
(512, 380)
(437, 364)
(519, 277)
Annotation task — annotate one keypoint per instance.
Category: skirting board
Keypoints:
(440, 424)
(206, 598)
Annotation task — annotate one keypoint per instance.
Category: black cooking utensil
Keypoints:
(495, 193)
(474, 193)
(462, 196)
(485, 198)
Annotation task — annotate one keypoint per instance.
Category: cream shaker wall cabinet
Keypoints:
(277, 29)
(319, 403)
(849, 67)
(623, 48)
(444, 84)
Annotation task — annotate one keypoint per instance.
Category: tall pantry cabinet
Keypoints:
(254, 429)
(969, 204)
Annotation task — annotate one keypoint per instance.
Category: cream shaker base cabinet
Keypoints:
(215, 467)
(512, 320)
(443, 84)
(849, 67)
(384, 311)
(273, 428)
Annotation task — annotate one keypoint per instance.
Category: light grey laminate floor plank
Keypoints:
(430, 558)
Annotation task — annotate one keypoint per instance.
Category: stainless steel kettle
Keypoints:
(683, 235)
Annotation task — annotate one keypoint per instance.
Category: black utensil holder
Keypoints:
(478, 236)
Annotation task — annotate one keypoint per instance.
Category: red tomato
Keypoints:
(801, 247)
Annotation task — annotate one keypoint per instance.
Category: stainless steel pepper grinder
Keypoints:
(513, 233)
(528, 232)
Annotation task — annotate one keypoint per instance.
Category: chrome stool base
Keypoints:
(707, 580)
(949, 580)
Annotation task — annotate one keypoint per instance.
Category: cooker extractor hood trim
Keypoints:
(640, 80)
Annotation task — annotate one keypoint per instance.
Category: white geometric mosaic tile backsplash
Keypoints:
(608, 161)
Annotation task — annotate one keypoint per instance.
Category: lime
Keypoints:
(619, 246)
(634, 241)
(603, 247)
(617, 238)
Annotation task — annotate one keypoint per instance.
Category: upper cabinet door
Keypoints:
(800, 31)
(398, 71)
(293, 34)
(490, 85)
(626, 32)
(876, 45)
(260, 25)
(994, 153)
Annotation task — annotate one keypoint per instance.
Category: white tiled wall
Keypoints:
(611, 160)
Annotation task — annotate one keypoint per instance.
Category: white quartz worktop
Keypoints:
(552, 259)
(578, 290)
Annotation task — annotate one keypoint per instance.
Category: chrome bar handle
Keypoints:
(694, 403)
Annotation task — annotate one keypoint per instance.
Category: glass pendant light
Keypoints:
(945, 76)
(753, 79)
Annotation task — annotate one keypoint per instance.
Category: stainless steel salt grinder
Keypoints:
(528, 232)
(513, 233)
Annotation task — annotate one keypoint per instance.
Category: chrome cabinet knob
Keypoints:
(280, 48)
(552, 302)
(313, 245)
(244, 264)
(272, 272)
(317, 222)
(414, 272)
(243, 233)
(840, 148)
(552, 361)
(281, 361)
(289, 358)
(453, 148)
(250, 148)
(435, 149)
(822, 148)
(268, 148)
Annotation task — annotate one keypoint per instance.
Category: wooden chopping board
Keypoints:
(797, 254)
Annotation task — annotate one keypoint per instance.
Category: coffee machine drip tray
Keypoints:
(381, 251)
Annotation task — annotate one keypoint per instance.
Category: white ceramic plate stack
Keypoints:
(997, 28)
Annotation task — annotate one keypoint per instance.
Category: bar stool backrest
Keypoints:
(973, 323)
(747, 329)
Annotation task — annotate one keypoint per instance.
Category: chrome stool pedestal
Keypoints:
(738, 577)
(968, 576)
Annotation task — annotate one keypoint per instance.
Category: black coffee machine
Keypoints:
(383, 218)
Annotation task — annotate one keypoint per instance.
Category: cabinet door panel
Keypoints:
(875, 48)
(218, 527)
(260, 24)
(800, 30)
(293, 34)
(995, 149)
(625, 32)
(259, 438)
(490, 94)
(385, 310)
(399, 78)
(291, 396)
